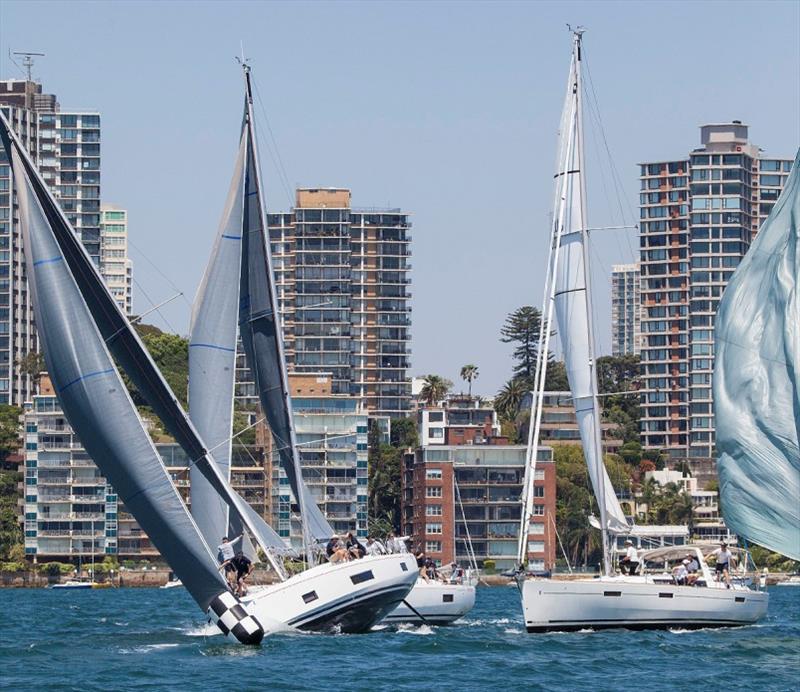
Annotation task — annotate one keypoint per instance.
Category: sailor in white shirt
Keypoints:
(680, 573)
(225, 553)
(724, 561)
(631, 559)
(375, 547)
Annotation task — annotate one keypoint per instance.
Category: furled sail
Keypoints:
(571, 299)
(97, 403)
(262, 337)
(757, 385)
(212, 367)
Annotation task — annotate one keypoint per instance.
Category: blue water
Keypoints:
(152, 639)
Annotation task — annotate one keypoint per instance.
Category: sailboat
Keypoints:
(631, 601)
(238, 296)
(756, 385)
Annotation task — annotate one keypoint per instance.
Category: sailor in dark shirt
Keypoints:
(243, 567)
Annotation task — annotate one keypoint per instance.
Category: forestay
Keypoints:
(756, 394)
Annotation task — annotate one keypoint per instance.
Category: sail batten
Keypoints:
(757, 383)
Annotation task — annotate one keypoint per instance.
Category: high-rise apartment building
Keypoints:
(343, 279)
(65, 145)
(115, 265)
(625, 308)
(698, 216)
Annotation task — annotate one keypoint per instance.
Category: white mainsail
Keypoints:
(72, 308)
(567, 293)
(757, 385)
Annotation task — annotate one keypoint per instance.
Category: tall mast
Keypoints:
(263, 229)
(597, 440)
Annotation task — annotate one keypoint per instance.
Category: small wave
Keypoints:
(102, 620)
(411, 629)
(207, 629)
(512, 630)
(121, 624)
(147, 648)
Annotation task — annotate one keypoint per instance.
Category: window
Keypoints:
(433, 528)
(535, 546)
(433, 492)
(433, 546)
(436, 433)
(535, 529)
(433, 510)
(436, 416)
(538, 511)
(538, 491)
(433, 474)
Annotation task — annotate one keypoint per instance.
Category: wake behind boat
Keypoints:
(635, 602)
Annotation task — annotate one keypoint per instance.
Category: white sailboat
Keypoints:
(637, 602)
(238, 297)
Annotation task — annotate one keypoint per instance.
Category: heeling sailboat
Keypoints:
(756, 392)
(239, 287)
(608, 601)
(80, 329)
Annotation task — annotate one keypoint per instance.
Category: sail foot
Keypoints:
(229, 615)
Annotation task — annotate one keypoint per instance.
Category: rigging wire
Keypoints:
(154, 305)
(276, 158)
(172, 284)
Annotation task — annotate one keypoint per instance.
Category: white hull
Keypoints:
(436, 602)
(346, 597)
(636, 603)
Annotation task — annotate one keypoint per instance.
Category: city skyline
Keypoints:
(462, 138)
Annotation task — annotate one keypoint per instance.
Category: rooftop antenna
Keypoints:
(27, 61)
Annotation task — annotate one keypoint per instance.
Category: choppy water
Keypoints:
(137, 639)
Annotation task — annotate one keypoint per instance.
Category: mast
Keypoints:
(598, 444)
(284, 379)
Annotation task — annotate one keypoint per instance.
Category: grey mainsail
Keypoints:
(756, 383)
(262, 337)
(212, 366)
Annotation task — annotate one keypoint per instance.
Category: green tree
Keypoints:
(508, 400)
(522, 328)
(468, 374)
(618, 381)
(31, 364)
(404, 433)
(10, 531)
(384, 469)
(434, 389)
(10, 429)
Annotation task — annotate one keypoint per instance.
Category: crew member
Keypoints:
(631, 559)
(243, 567)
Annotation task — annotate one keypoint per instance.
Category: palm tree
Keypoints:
(435, 389)
(682, 511)
(508, 399)
(469, 373)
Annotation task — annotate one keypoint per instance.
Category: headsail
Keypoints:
(95, 399)
(212, 366)
(262, 337)
(757, 385)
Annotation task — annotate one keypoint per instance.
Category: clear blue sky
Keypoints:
(448, 110)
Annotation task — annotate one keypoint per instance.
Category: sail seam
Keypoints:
(86, 377)
(47, 261)
(214, 346)
(232, 237)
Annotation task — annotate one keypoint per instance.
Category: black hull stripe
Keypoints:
(344, 604)
(575, 625)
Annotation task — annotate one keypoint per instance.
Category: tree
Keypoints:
(508, 400)
(469, 373)
(31, 364)
(384, 469)
(522, 328)
(404, 434)
(10, 429)
(434, 389)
